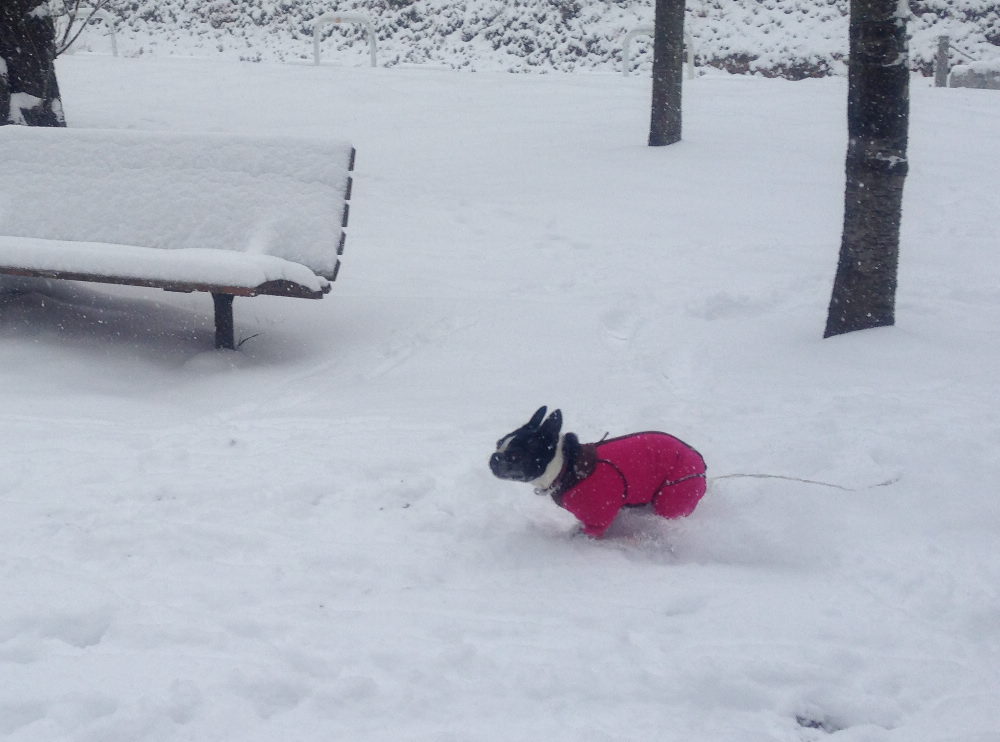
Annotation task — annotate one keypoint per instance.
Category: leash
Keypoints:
(841, 487)
(815, 482)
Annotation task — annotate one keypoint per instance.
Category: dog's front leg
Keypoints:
(596, 500)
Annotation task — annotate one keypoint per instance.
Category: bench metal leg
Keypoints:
(224, 336)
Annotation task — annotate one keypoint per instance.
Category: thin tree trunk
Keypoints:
(864, 290)
(29, 92)
(668, 73)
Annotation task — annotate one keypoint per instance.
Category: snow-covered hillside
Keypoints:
(301, 541)
(792, 38)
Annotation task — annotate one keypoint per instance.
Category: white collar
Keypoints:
(545, 482)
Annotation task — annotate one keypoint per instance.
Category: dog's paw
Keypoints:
(582, 532)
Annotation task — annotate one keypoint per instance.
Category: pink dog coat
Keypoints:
(648, 468)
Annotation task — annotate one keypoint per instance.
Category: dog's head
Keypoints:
(524, 455)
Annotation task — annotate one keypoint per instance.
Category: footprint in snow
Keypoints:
(620, 323)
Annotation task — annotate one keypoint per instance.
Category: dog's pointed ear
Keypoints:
(536, 419)
(553, 425)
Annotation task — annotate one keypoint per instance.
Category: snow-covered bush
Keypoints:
(789, 38)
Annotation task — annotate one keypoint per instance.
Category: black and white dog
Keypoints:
(596, 480)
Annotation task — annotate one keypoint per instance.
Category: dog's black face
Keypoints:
(523, 455)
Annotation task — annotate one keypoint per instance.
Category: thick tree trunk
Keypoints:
(29, 93)
(668, 73)
(864, 290)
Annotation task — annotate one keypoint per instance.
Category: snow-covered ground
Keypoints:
(302, 540)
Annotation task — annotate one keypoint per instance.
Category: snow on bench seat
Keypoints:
(179, 269)
(236, 215)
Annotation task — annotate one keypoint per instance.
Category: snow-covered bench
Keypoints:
(984, 75)
(229, 215)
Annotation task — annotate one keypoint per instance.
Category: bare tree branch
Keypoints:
(79, 13)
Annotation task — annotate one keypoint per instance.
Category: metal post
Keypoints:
(328, 18)
(109, 23)
(224, 332)
(941, 62)
(648, 31)
(91, 15)
(627, 46)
